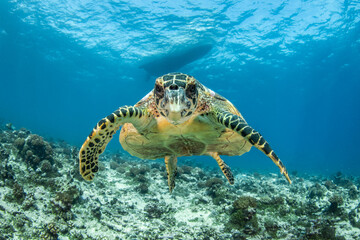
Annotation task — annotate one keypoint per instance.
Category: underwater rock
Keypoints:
(138, 176)
(7, 137)
(316, 191)
(353, 193)
(34, 149)
(330, 185)
(335, 202)
(138, 172)
(19, 143)
(157, 166)
(22, 133)
(40, 147)
(321, 229)
(354, 217)
(186, 169)
(201, 174)
(17, 195)
(342, 181)
(29, 202)
(96, 212)
(143, 188)
(64, 200)
(243, 216)
(45, 166)
(153, 210)
(237, 235)
(20, 220)
(271, 227)
(114, 165)
(271, 202)
(213, 182)
(275, 204)
(50, 232)
(184, 173)
(250, 185)
(216, 189)
(122, 168)
(6, 173)
(141, 178)
(4, 153)
(244, 202)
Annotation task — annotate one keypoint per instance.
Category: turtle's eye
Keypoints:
(159, 90)
(191, 90)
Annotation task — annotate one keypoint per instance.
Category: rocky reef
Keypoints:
(42, 196)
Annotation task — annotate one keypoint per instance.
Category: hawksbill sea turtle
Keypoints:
(179, 117)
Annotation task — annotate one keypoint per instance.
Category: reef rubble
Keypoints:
(42, 196)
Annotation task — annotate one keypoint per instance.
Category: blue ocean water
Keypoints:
(292, 68)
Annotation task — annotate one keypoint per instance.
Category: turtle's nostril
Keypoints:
(173, 87)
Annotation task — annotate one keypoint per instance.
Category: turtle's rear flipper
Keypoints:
(171, 169)
(101, 135)
(223, 166)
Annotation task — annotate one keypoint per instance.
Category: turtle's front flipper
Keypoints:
(238, 124)
(223, 166)
(101, 135)
(171, 169)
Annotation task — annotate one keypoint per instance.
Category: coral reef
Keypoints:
(320, 229)
(17, 194)
(42, 196)
(335, 202)
(50, 232)
(243, 216)
(64, 200)
(34, 149)
(154, 210)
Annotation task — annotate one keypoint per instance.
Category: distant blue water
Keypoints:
(291, 67)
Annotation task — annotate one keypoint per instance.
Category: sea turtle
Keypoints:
(179, 117)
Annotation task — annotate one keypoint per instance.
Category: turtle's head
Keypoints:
(176, 96)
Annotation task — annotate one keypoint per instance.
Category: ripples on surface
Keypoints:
(143, 28)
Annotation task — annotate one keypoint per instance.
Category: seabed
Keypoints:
(43, 196)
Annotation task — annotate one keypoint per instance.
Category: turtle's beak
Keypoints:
(176, 99)
(176, 105)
